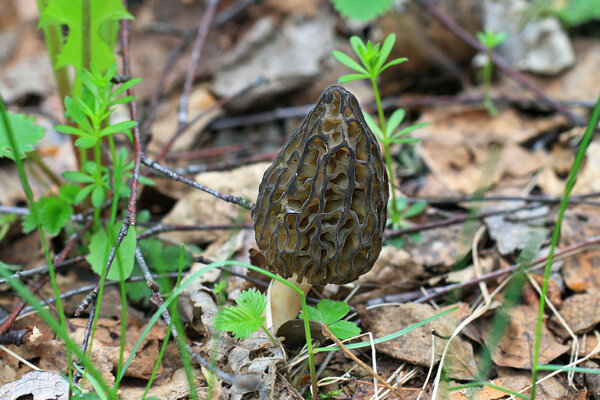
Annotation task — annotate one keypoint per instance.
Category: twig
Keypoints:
(445, 200)
(327, 333)
(162, 228)
(451, 25)
(225, 165)
(247, 204)
(203, 28)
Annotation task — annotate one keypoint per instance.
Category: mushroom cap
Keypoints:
(322, 204)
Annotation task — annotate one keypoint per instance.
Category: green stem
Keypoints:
(386, 147)
(585, 141)
(29, 194)
(271, 338)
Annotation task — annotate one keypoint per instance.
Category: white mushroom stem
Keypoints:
(283, 302)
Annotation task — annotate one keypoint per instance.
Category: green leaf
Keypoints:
(394, 121)
(352, 77)
(373, 125)
(405, 140)
(54, 213)
(161, 258)
(244, 318)
(26, 134)
(76, 176)
(100, 247)
(332, 310)
(330, 313)
(83, 193)
(393, 62)
(415, 209)
(361, 10)
(386, 48)
(578, 12)
(69, 13)
(98, 196)
(124, 86)
(118, 127)
(86, 142)
(359, 48)
(71, 130)
(344, 329)
(409, 129)
(349, 62)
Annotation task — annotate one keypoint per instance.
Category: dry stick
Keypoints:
(203, 29)
(162, 228)
(327, 333)
(226, 165)
(451, 25)
(247, 204)
(436, 292)
(43, 269)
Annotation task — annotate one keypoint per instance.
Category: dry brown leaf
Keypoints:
(582, 270)
(37, 385)
(581, 312)
(516, 346)
(549, 389)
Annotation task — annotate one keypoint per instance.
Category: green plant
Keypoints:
(246, 317)
(330, 313)
(372, 63)
(407, 212)
(360, 9)
(490, 40)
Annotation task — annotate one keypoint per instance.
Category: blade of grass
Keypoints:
(585, 141)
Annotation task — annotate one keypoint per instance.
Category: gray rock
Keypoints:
(288, 57)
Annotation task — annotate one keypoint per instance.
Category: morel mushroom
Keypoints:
(321, 207)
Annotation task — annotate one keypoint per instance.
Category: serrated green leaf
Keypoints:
(349, 62)
(313, 314)
(100, 247)
(54, 213)
(332, 311)
(69, 13)
(26, 134)
(344, 329)
(394, 121)
(162, 258)
(244, 318)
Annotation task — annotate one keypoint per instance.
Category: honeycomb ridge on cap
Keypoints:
(322, 204)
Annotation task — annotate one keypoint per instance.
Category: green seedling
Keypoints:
(362, 10)
(330, 313)
(405, 212)
(372, 63)
(246, 317)
(490, 40)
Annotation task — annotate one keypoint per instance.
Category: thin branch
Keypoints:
(247, 204)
